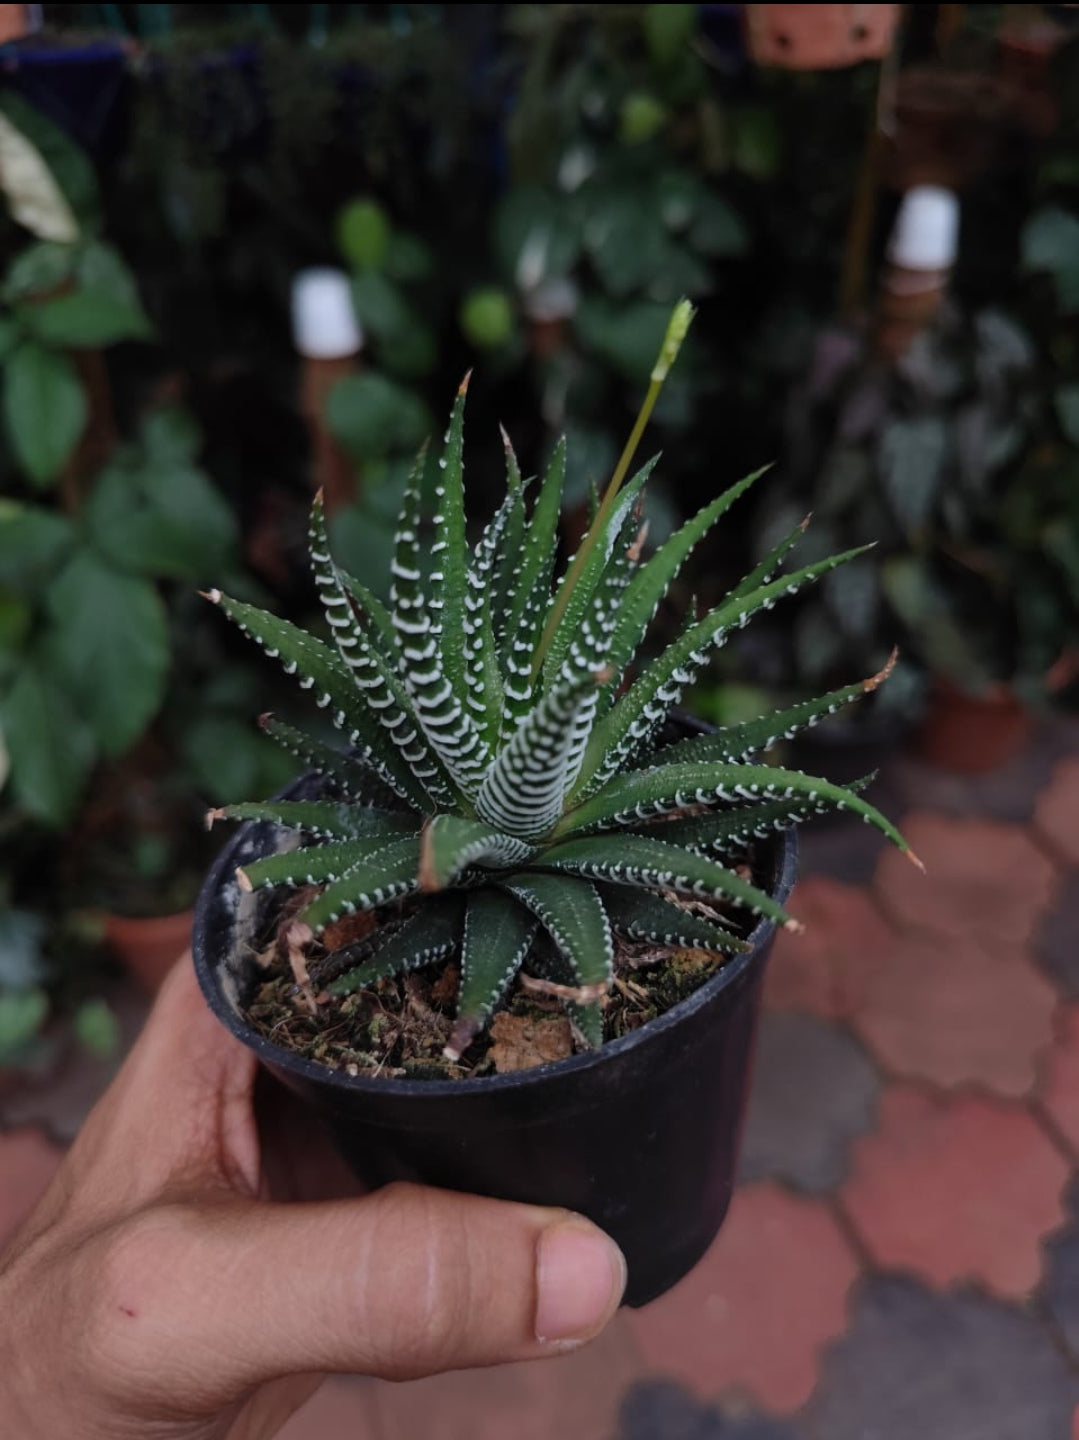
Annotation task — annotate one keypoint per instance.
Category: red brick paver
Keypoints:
(1056, 814)
(960, 1189)
(759, 1309)
(28, 1161)
(982, 879)
(1060, 1089)
(825, 969)
(950, 1010)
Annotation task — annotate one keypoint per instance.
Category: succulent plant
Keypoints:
(501, 771)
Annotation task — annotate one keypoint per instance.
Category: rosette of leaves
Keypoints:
(503, 779)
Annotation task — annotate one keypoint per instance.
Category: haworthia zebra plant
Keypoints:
(500, 770)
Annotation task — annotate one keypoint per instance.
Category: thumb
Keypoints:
(406, 1282)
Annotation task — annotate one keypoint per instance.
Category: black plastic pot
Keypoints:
(641, 1136)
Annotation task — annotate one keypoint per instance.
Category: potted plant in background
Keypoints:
(495, 961)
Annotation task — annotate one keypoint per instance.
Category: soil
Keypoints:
(398, 1027)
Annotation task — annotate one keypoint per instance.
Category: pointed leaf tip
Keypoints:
(796, 927)
(428, 878)
(909, 853)
(243, 880)
(214, 596)
(211, 816)
(803, 525)
(882, 675)
(462, 389)
(265, 719)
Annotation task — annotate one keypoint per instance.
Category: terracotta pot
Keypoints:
(973, 734)
(149, 945)
(819, 37)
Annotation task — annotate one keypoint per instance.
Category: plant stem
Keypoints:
(677, 326)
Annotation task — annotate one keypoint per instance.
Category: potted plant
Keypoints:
(520, 945)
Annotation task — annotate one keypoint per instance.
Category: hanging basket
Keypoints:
(819, 37)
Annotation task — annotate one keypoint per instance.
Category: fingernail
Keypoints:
(580, 1276)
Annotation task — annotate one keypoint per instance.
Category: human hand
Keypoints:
(163, 1288)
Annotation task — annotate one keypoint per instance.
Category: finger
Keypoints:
(406, 1282)
(179, 1111)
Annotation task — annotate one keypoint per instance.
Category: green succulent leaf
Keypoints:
(635, 718)
(378, 878)
(738, 742)
(327, 819)
(498, 934)
(452, 844)
(643, 915)
(526, 784)
(344, 774)
(431, 934)
(650, 584)
(313, 864)
(649, 864)
(572, 913)
(320, 670)
(733, 830)
(640, 795)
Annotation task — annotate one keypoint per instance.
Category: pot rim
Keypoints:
(784, 865)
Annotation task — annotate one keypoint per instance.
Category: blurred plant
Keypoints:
(921, 453)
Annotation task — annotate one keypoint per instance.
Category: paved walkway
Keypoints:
(901, 1260)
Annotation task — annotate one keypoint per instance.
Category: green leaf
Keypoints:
(97, 1029)
(449, 551)
(345, 774)
(1050, 242)
(524, 788)
(432, 933)
(642, 915)
(610, 546)
(498, 934)
(452, 843)
(161, 518)
(647, 588)
(100, 267)
(44, 409)
(531, 598)
(50, 748)
(912, 454)
(738, 742)
(374, 417)
(315, 864)
(1067, 408)
(640, 861)
(572, 913)
(386, 876)
(363, 234)
(39, 269)
(22, 1014)
(640, 795)
(326, 819)
(638, 714)
(33, 542)
(321, 669)
(86, 320)
(109, 641)
(732, 830)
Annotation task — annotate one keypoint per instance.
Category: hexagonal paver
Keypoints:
(754, 1316)
(1055, 945)
(1056, 815)
(28, 1161)
(814, 1090)
(1060, 1087)
(661, 1410)
(958, 1189)
(824, 970)
(983, 879)
(955, 1367)
(950, 1010)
